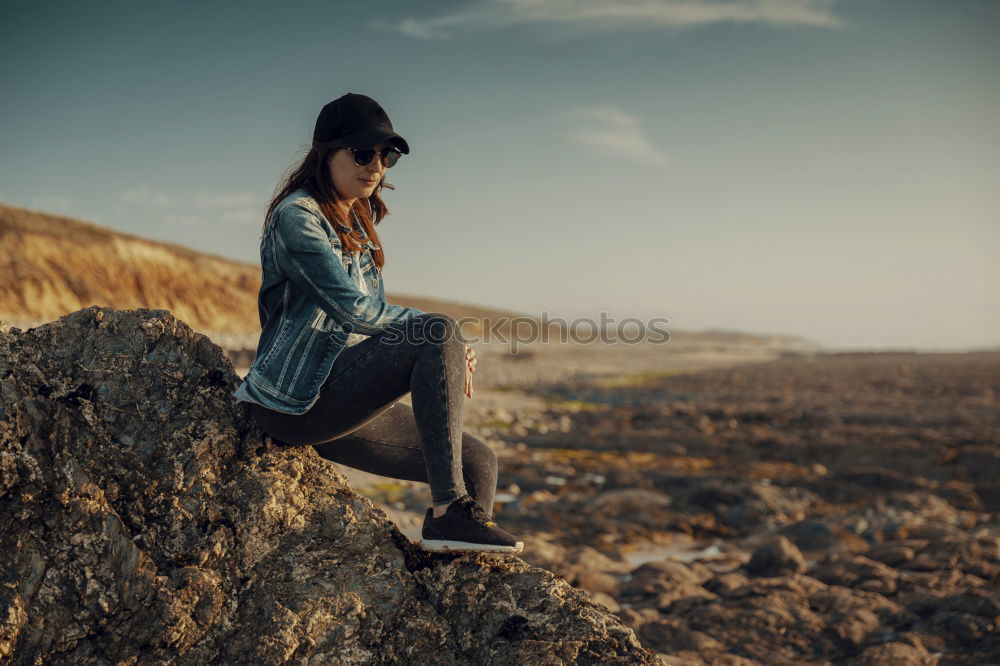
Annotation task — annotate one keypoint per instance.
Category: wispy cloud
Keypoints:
(145, 195)
(607, 129)
(241, 216)
(230, 207)
(490, 15)
(198, 208)
(52, 204)
(225, 199)
(183, 220)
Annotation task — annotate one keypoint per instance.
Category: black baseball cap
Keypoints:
(356, 121)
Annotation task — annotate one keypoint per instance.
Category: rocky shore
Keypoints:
(684, 505)
(797, 509)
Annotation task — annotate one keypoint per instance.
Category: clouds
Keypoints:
(144, 195)
(237, 208)
(225, 200)
(609, 130)
(50, 203)
(195, 209)
(182, 220)
(605, 15)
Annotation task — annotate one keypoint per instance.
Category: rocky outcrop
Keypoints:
(144, 518)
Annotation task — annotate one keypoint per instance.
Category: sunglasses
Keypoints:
(362, 157)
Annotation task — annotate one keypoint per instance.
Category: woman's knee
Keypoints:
(441, 329)
(476, 453)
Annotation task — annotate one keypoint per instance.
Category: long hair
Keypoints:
(313, 175)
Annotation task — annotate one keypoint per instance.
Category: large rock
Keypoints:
(144, 518)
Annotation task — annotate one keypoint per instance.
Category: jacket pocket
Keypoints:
(284, 329)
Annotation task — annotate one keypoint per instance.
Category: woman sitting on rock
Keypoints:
(334, 357)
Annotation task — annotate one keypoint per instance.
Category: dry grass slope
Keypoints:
(54, 265)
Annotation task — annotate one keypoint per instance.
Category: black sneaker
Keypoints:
(466, 527)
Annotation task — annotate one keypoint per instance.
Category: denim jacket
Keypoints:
(309, 302)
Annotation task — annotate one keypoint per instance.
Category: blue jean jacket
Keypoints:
(309, 302)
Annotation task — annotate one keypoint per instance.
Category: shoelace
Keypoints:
(478, 513)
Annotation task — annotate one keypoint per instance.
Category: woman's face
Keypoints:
(353, 181)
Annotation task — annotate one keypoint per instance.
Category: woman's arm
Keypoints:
(311, 259)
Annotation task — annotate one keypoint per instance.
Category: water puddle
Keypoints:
(680, 551)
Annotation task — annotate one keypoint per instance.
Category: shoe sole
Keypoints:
(443, 546)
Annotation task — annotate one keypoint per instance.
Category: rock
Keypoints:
(980, 463)
(891, 554)
(797, 586)
(665, 574)
(726, 584)
(776, 557)
(854, 615)
(543, 552)
(597, 581)
(693, 658)
(881, 479)
(665, 585)
(626, 501)
(856, 571)
(920, 602)
(605, 600)
(775, 626)
(962, 496)
(890, 654)
(713, 494)
(587, 558)
(503, 416)
(146, 517)
(968, 630)
(672, 635)
(812, 534)
(742, 505)
(934, 530)
(730, 659)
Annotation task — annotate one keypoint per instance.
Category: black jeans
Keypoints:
(357, 420)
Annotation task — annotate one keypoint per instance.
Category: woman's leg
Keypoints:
(390, 445)
(424, 356)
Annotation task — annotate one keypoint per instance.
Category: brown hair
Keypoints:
(313, 175)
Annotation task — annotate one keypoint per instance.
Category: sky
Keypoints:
(822, 168)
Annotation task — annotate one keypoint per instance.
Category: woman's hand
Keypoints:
(470, 359)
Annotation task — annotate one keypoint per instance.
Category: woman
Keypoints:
(334, 357)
